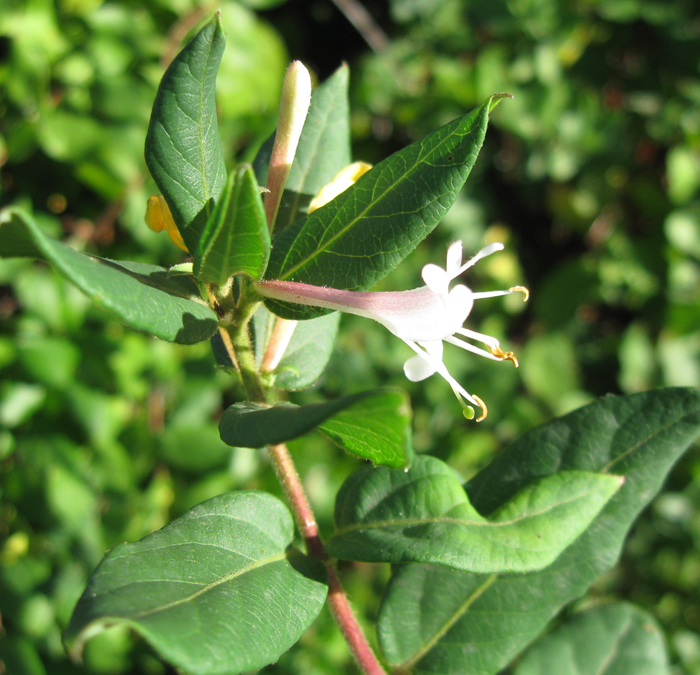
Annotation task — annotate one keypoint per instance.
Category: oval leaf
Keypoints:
(372, 425)
(608, 640)
(360, 236)
(236, 239)
(217, 591)
(143, 296)
(424, 515)
(431, 616)
(183, 149)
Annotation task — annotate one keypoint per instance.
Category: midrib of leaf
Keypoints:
(475, 595)
(633, 448)
(615, 648)
(200, 126)
(322, 247)
(378, 524)
(210, 586)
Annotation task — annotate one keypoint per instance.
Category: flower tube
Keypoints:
(424, 318)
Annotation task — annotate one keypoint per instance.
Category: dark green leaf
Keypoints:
(236, 239)
(360, 236)
(183, 149)
(616, 639)
(373, 425)
(143, 296)
(217, 591)
(494, 616)
(424, 515)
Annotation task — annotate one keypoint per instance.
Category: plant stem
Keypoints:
(337, 599)
(300, 507)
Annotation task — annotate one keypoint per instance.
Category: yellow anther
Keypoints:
(506, 356)
(159, 218)
(521, 289)
(484, 409)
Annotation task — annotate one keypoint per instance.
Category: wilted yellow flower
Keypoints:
(159, 218)
(342, 181)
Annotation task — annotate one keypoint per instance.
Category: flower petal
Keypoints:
(417, 368)
(436, 279)
(454, 259)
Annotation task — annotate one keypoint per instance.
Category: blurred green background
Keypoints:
(589, 175)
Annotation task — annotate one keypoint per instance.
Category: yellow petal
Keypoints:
(343, 180)
(159, 218)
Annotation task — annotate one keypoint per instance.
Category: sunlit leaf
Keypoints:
(360, 236)
(217, 591)
(424, 515)
(183, 149)
(236, 239)
(431, 615)
(373, 425)
(143, 296)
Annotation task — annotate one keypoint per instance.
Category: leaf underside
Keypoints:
(493, 617)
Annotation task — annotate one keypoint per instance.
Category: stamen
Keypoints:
(487, 250)
(520, 289)
(463, 344)
(505, 356)
(482, 405)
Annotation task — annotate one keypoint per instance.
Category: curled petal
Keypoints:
(436, 279)
(417, 368)
(454, 259)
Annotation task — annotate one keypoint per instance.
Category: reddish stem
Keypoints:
(337, 600)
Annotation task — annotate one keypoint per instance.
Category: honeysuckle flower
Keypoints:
(159, 218)
(424, 318)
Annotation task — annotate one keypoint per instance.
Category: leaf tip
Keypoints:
(497, 98)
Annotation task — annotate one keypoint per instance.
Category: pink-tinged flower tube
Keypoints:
(424, 318)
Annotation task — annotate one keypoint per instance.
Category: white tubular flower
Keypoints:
(424, 318)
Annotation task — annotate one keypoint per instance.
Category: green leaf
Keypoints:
(494, 616)
(143, 296)
(236, 239)
(424, 515)
(307, 354)
(360, 236)
(323, 150)
(372, 425)
(217, 591)
(606, 640)
(183, 149)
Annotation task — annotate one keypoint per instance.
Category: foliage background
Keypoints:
(590, 175)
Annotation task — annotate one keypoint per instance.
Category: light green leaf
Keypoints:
(143, 296)
(493, 617)
(218, 591)
(360, 236)
(424, 515)
(236, 239)
(372, 425)
(307, 354)
(613, 639)
(183, 149)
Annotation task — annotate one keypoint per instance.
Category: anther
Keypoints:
(482, 405)
(506, 356)
(520, 289)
